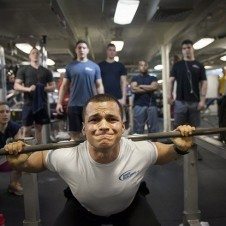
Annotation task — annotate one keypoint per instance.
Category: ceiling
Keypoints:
(156, 22)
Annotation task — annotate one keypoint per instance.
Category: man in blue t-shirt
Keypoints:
(83, 78)
(145, 109)
(114, 75)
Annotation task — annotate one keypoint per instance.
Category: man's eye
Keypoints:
(112, 119)
(93, 120)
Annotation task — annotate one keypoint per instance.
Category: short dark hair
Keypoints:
(187, 42)
(81, 41)
(111, 45)
(102, 98)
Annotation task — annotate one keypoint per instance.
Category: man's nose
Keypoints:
(104, 124)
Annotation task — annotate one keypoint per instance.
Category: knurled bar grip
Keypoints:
(149, 136)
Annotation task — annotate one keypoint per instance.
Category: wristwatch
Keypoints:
(180, 152)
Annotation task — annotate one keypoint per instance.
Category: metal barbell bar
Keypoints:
(149, 136)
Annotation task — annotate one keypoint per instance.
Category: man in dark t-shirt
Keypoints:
(34, 81)
(145, 109)
(190, 98)
(113, 75)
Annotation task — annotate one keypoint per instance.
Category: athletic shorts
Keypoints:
(28, 117)
(75, 118)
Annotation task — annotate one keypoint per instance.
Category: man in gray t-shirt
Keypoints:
(83, 78)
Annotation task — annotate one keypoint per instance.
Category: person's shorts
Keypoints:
(75, 118)
(28, 117)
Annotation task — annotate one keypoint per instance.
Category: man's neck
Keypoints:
(3, 127)
(35, 64)
(82, 59)
(104, 156)
(110, 60)
(189, 58)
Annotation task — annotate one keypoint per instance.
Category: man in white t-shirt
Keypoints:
(104, 172)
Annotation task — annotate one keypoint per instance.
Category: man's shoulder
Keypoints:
(13, 125)
(178, 63)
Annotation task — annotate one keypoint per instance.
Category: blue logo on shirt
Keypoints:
(127, 174)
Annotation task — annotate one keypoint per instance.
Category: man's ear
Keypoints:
(83, 129)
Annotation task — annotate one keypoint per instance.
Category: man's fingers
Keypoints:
(15, 147)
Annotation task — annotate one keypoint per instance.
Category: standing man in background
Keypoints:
(114, 75)
(145, 109)
(189, 75)
(83, 78)
(191, 90)
(34, 81)
(222, 104)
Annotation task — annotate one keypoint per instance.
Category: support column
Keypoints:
(31, 199)
(3, 90)
(46, 127)
(165, 50)
(191, 212)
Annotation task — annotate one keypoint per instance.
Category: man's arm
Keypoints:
(123, 83)
(203, 90)
(148, 88)
(19, 87)
(168, 152)
(135, 88)
(32, 163)
(99, 86)
(50, 87)
(170, 90)
(63, 89)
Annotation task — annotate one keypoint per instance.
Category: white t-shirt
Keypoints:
(103, 189)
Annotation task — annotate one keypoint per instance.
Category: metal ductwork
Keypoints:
(163, 11)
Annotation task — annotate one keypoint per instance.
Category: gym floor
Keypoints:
(166, 193)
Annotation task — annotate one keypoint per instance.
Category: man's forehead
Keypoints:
(106, 106)
(34, 51)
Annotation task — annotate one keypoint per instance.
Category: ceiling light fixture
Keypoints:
(50, 62)
(116, 58)
(208, 67)
(158, 67)
(24, 47)
(203, 43)
(125, 11)
(61, 70)
(118, 45)
(223, 58)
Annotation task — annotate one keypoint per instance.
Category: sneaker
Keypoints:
(15, 189)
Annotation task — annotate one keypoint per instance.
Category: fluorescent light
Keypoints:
(56, 74)
(125, 11)
(223, 58)
(38, 47)
(203, 43)
(208, 67)
(118, 45)
(25, 47)
(25, 63)
(50, 62)
(61, 70)
(158, 67)
(116, 58)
